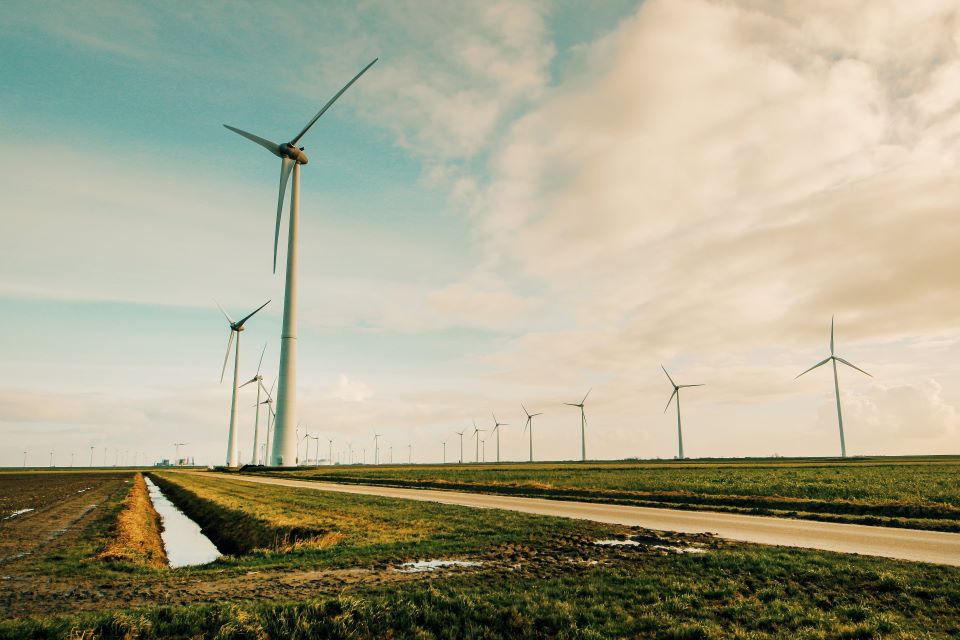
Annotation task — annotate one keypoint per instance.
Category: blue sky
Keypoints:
(518, 202)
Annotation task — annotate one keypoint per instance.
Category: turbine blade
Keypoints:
(272, 147)
(821, 363)
(525, 409)
(839, 359)
(535, 414)
(225, 314)
(261, 358)
(330, 103)
(670, 400)
(684, 386)
(831, 335)
(250, 315)
(248, 382)
(286, 166)
(668, 376)
(270, 393)
(585, 397)
(227, 357)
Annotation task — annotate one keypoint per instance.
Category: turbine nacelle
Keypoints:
(292, 151)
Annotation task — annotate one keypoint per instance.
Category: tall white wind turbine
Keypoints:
(291, 157)
(676, 392)
(836, 385)
(529, 426)
(256, 421)
(271, 414)
(583, 426)
(233, 459)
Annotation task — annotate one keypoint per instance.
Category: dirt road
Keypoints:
(903, 544)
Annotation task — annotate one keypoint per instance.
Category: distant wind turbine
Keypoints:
(529, 427)
(676, 392)
(583, 425)
(291, 157)
(271, 415)
(476, 432)
(235, 328)
(444, 443)
(459, 433)
(376, 448)
(836, 385)
(496, 429)
(256, 421)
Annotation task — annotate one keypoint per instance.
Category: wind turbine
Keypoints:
(444, 443)
(583, 426)
(476, 433)
(291, 157)
(459, 433)
(496, 429)
(330, 451)
(235, 328)
(836, 385)
(529, 425)
(176, 447)
(676, 392)
(376, 448)
(271, 415)
(256, 422)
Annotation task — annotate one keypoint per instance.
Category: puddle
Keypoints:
(662, 547)
(432, 565)
(18, 512)
(183, 541)
(617, 543)
(680, 549)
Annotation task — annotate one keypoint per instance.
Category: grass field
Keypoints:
(907, 492)
(336, 576)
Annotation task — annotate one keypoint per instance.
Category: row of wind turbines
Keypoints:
(496, 429)
(281, 446)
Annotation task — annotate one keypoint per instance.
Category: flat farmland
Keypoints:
(302, 563)
(907, 492)
(39, 508)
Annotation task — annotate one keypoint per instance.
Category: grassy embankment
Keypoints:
(136, 532)
(901, 492)
(554, 583)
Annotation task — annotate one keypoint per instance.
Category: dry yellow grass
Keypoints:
(137, 536)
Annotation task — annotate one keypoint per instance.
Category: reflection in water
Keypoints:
(184, 543)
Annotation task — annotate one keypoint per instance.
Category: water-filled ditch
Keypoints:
(183, 541)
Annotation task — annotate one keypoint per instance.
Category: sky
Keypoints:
(518, 203)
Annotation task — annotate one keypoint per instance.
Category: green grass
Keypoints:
(748, 593)
(919, 493)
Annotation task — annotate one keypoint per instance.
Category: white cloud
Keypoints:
(351, 390)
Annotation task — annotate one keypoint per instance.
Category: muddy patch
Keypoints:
(420, 566)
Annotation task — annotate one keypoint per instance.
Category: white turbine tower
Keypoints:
(233, 459)
(376, 448)
(291, 157)
(836, 385)
(529, 426)
(271, 414)
(460, 433)
(676, 392)
(476, 432)
(583, 426)
(496, 429)
(256, 421)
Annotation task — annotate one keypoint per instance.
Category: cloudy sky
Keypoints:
(518, 203)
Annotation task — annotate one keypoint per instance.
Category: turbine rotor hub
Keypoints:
(293, 152)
